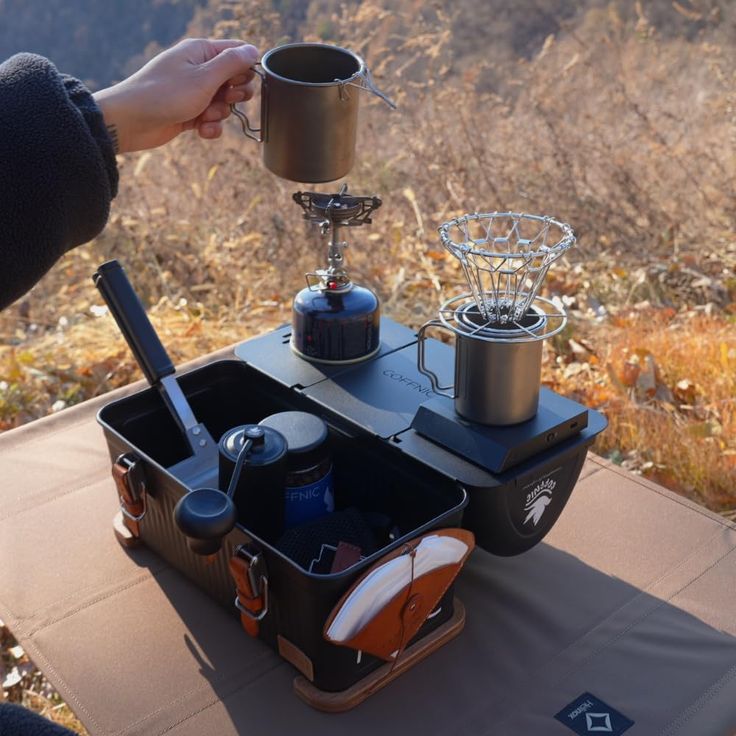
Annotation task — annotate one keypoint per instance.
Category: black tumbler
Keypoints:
(259, 493)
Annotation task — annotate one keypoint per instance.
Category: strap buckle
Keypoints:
(130, 481)
(248, 569)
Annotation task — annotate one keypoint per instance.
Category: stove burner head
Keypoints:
(333, 212)
(341, 209)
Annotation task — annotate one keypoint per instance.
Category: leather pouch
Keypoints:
(387, 606)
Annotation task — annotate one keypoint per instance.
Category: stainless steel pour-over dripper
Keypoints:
(500, 324)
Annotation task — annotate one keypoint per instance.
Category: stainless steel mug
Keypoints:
(497, 371)
(309, 110)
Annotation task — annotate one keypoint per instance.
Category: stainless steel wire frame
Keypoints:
(505, 257)
(553, 321)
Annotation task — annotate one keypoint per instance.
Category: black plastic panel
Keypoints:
(382, 395)
(271, 354)
(511, 512)
(500, 448)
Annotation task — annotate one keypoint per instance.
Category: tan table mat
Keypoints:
(632, 597)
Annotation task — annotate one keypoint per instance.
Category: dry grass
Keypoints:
(667, 385)
(621, 129)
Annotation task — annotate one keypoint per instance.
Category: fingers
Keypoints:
(220, 44)
(241, 79)
(210, 131)
(234, 94)
(230, 63)
(215, 112)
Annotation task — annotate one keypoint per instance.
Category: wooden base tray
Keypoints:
(339, 702)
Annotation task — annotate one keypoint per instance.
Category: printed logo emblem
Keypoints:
(538, 500)
(410, 383)
(588, 714)
(600, 722)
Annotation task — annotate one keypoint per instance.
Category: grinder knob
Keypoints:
(205, 516)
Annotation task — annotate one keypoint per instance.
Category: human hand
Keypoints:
(190, 85)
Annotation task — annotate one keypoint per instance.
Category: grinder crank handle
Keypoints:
(125, 306)
(127, 309)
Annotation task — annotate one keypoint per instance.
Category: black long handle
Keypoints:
(128, 311)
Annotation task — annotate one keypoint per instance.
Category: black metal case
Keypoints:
(367, 475)
(381, 464)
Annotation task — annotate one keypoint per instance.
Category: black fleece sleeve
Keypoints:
(57, 170)
(17, 721)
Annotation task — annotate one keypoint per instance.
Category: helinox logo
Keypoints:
(598, 722)
(590, 715)
(538, 500)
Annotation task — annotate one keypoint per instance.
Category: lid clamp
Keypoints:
(248, 570)
(130, 481)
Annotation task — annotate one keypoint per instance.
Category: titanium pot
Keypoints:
(309, 110)
(497, 367)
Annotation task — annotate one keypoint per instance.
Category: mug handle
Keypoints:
(248, 130)
(421, 363)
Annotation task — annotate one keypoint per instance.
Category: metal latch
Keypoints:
(130, 481)
(248, 569)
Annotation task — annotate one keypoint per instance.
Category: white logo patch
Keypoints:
(538, 500)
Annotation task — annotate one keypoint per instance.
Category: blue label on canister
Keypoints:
(303, 503)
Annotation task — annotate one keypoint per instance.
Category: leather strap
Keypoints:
(251, 586)
(130, 483)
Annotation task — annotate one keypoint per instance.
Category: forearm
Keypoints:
(57, 170)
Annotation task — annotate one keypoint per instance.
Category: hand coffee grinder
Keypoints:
(335, 321)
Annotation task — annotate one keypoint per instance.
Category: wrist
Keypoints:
(112, 104)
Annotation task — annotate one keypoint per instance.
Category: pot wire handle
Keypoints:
(421, 362)
(248, 130)
(366, 83)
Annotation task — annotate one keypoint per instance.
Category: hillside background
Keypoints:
(618, 117)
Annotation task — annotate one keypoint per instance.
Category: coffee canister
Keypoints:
(308, 491)
(259, 493)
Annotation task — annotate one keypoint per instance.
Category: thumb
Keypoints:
(230, 63)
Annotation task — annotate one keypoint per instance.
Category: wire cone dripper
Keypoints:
(505, 257)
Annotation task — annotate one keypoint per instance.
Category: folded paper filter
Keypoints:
(387, 606)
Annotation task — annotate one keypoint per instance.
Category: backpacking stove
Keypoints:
(333, 319)
(350, 484)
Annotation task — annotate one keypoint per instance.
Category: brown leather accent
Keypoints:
(346, 555)
(122, 533)
(291, 653)
(387, 634)
(343, 700)
(254, 603)
(129, 503)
